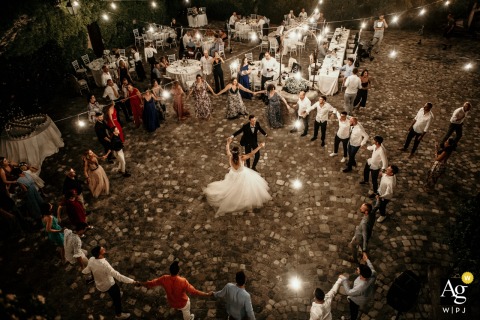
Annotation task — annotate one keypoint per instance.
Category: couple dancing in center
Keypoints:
(243, 189)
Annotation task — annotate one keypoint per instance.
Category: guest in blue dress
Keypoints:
(245, 78)
(150, 114)
(32, 196)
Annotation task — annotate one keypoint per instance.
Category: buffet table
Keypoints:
(184, 72)
(33, 147)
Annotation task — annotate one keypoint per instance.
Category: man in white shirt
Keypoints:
(322, 303)
(206, 63)
(388, 182)
(113, 93)
(456, 123)
(104, 275)
(303, 15)
(303, 104)
(358, 138)
(379, 26)
(232, 20)
(352, 84)
(418, 128)
(73, 245)
(105, 75)
(149, 52)
(377, 161)
(342, 135)
(268, 66)
(321, 120)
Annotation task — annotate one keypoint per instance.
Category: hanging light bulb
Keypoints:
(363, 25)
(75, 3)
(254, 37)
(105, 17)
(113, 5)
(295, 283)
(80, 122)
(154, 4)
(447, 3)
(395, 19)
(393, 53)
(316, 10)
(422, 12)
(150, 29)
(166, 94)
(468, 66)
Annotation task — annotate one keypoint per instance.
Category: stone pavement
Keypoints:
(160, 212)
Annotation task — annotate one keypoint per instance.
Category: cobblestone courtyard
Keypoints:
(160, 213)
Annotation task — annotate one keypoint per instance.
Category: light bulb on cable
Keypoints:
(166, 94)
(447, 3)
(422, 12)
(468, 66)
(363, 25)
(295, 284)
(105, 17)
(113, 5)
(154, 4)
(393, 53)
(395, 19)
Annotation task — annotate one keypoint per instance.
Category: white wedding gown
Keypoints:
(242, 189)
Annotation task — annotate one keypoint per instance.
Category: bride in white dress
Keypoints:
(242, 189)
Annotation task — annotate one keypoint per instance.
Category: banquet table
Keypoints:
(329, 73)
(33, 149)
(96, 67)
(161, 34)
(184, 73)
(199, 20)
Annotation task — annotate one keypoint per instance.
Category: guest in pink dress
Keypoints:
(178, 106)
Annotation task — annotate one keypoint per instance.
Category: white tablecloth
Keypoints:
(184, 73)
(199, 20)
(96, 67)
(329, 73)
(44, 142)
(256, 68)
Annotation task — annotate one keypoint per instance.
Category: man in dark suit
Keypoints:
(249, 138)
(103, 134)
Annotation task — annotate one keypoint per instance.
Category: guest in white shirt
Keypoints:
(73, 245)
(352, 85)
(456, 123)
(104, 275)
(149, 52)
(105, 75)
(342, 135)
(303, 105)
(268, 67)
(232, 20)
(111, 91)
(261, 22)
(358, 138)
(321, 120)
(388, 182)
(322, 303)
(348, 68)
(377, 161)
(138, 64)
(419, 127)
(303, 15)
(206, 63)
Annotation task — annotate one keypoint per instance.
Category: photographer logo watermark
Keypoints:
(454, 294)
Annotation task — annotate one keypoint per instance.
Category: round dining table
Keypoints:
(184, 72)
(96, 67)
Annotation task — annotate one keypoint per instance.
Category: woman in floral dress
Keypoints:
(235, 105)
(178, 106)
(203, 106)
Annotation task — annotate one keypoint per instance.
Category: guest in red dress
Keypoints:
(112, 120)
(136, 103)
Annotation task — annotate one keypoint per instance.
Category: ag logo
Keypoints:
(453, 292)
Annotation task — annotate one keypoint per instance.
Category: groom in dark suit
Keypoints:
(249, 138)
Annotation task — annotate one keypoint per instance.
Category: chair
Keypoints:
(301, 44)
(145, 38)
(291, 61)
(264, 43)
(121, 52)
(277, 57)
(82, 85)
(132, 70)
(253, 16)
(221, 50)
(159, 43)
(138, 37)
(249, 56)
(273, 45)
(292, 48)
(79, 70)
(171, 58)
(85, 59)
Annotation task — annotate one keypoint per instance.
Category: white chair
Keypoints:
(301, 44)
(171, 58)
(164, 36)
(79, 70)
(221, 50)
(121, 52)
(249, 56)
(138, 37)
(291, 61)
(264, 43)
(85, 59)
(145, 38)
(273, 45)
(82, 85)
(159, 43)
(292, 48)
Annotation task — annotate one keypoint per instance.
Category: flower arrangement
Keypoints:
(293, 85)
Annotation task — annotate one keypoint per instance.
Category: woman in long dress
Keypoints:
(112, 119)
(178, 105)
(242, 189)
(235, 105)
(150, 114)
(97, 179)
(245, 79)
(53, 230)
(33, 200)
(136, 103)
(274, 108)
(203, 106)
(218, 72)
(439, 167)
(362, 93)
(123, 72)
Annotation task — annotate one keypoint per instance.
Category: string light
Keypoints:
(447, 3)
(113, 5)
(297, 124)
(295, 283)
(296, 184)
(320, 1)
(422, 12)
(468, 66)
(80, 122)
(254, 37)
(393, 53)
(316, 10)
(363, 25)
(150, 29)
(75, 3)
(395, 19)
(105, 17)
(234, 65)
(311, 20)
(154, 4)
(166, 94)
